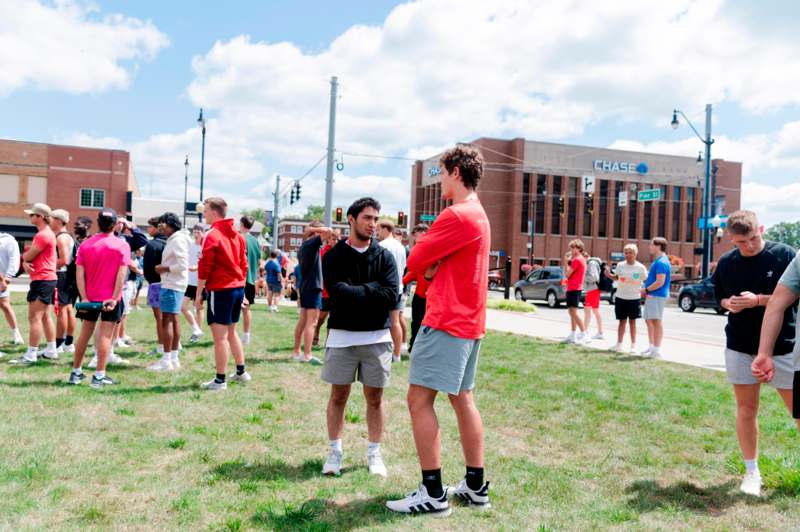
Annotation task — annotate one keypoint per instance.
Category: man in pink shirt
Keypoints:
(102, 266)
(40, 263)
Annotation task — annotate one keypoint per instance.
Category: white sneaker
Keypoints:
(127, 339)
(571, 339)
(49, 355)
(121, 344)
(298, 357)
(176, 363)
(655, 353)
(751, 485)
(617, 348)
(598, 336)
(376, 465)
(473, 498)
(162, 364)
(23, 360)
(69, 348)
(117, 360)
(18, 340)
(632, 348)
(419, 502)
(646, 352)
(244, 377)
(333, 465)
(396, 358)
(60, 349)
(214, 385)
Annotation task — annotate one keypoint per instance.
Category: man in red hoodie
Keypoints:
(222, 272)
(454, 256)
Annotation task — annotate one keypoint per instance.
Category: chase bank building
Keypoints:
(540, 195)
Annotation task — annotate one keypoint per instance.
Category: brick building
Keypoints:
(546, 194)
(80, 180)
(290, 233)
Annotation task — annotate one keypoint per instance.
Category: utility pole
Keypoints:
(331, 151)
(202, 123)
(275, 206)
(185, 188)
(707, 242)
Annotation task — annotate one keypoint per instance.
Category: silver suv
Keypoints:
(543, 284)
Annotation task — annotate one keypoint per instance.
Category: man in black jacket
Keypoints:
(152, 258)
(361, 279)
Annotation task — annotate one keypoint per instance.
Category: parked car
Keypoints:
(546, 285)
(699, 295)
(496, 279)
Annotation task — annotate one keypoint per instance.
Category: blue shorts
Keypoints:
(169, 301)
(311, 299)
(225, 306)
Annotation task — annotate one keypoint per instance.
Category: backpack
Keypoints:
(593, 268)
(605, 283)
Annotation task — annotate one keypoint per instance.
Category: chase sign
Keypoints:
(623, 167)
(434, 171)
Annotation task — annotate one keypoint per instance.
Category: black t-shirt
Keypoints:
(310, 265)
(759, 274)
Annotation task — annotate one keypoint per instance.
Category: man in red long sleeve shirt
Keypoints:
(222, 271)
(454, 255)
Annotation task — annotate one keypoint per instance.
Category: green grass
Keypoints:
(575, 440)
(510, 305)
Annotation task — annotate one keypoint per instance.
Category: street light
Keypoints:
(708, 141)
(201, 123)
(185, 187)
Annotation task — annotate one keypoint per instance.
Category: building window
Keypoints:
(555, 262)
(93, 198)
(9, 188)
(602, 228)
(572, 210)
(662, 212)
(675, 235)
(525, 219)
(719, 205)
(541, 184)
(690, 214)
(555, 218)
(633, 208)
(618, 211)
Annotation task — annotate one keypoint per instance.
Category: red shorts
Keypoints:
(592, 299)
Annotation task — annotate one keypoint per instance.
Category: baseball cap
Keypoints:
(60, 214)
(106, 217)
(41, 209)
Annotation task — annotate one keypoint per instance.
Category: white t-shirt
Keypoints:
(631, 278)
(194, 258)
(343, 338)
(399, 253)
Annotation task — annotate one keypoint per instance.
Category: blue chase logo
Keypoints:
(642, 168)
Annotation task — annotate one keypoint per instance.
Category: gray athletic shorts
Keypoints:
(370, 364)
(443, 362)
(738, 366)
(654, 308)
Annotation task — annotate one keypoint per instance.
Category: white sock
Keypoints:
(197, 330)
(373, 447)
(174, 355)
(572, 335)
(655, 350)
(336, 445)
(99, 374)
(51, 346)
(751, 466)
(32, 350)
(77, 371)
(16, 333)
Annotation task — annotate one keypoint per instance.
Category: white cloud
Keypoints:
(66, 46)
(773, 204)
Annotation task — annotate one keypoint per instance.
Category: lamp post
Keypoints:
(185, 187)
(708, 141)
(201, 122)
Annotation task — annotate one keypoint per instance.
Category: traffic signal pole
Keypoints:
(276, 205)
(331, 152)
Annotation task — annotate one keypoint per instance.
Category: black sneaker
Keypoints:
(76, 378)
(102, 382)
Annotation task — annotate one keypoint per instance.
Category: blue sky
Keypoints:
(132, 75)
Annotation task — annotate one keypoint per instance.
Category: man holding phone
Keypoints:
(102, 266)
(744, 281)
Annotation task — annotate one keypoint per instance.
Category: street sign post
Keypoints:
(427, 217)
(652, 194)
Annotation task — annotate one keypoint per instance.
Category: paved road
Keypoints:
(696, 338)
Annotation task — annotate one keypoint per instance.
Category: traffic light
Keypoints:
(561, 205)
(590, 202)
(291, 197)
(297, 188)
(338, 216)
(401, 219)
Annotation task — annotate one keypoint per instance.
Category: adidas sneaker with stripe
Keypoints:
(478, 499)
(419, 502)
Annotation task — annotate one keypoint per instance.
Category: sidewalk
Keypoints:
(707, 352)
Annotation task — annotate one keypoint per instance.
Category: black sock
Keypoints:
(432, 480)
(59, 341)
(220, 378)
(474, 478)
(68, 340)
(240, 369)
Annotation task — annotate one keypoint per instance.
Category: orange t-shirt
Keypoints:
(44, 265)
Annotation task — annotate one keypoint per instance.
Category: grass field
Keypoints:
(576, 440)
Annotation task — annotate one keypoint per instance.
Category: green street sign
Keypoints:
(650, 194)
(427, 217)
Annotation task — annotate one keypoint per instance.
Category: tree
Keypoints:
(315, 212)
(785, 232)
(257, 214)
